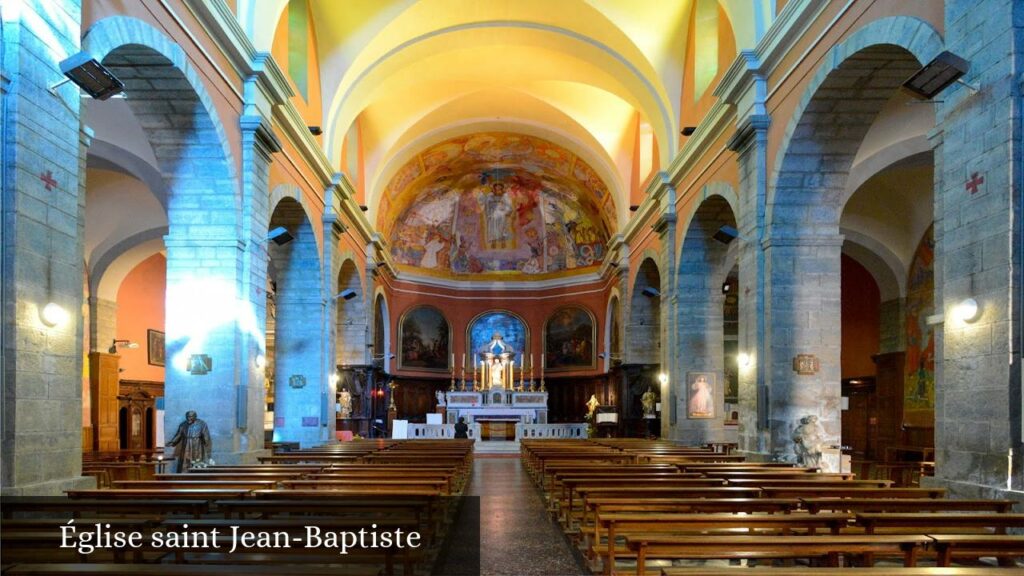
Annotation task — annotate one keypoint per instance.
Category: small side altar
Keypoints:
(495, 397)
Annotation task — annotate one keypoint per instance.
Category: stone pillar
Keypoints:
(332, 232)
(672, 393)
(751, 145)
(43, 206)
(102, 323)
(803, 314)
(978, 180)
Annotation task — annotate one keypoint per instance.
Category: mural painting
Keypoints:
(569, 340)
(510, 327)
(919, 372)
(497, 203)
(425, 337)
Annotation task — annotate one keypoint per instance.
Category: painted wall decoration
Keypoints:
(511, 328)
(919, 371)
(496, 203)
(569, 340)
(425, 338)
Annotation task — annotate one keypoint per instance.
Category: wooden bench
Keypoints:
(763, 547)
(936, 522)
(814, 505)
(102, 569)
(597, 506)
(876, 571)
(157, 494)
(772, 491)
(102, 507)
(950, 546)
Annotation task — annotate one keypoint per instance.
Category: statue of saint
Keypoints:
(192, 444)
(807, 439)
(440, 397)
(345, 403)
(648, 401)
(592, 405)
(497, 373)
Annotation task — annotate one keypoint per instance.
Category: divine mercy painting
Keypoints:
(569, 340)
(425, 339)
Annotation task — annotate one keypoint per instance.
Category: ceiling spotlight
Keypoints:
(726, 234)
(280, 236)
(937, 75)
(634, 207)
(89, 75)
(346, 294)
(53, 315)
(967, 310)
(650, 291)
(364, 207)
(315, 130)
(688, 130)
(121, 343)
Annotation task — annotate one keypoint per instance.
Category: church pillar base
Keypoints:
(50, 487)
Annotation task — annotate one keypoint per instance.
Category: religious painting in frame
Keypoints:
(701, 394)
(509, 326)
(425, 339)
(155, 347)
(569, 337)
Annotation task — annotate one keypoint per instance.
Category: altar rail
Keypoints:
(440, 431)
(531, 431)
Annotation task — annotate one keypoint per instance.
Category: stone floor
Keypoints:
(517, 535)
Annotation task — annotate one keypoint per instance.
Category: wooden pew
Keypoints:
(950, 546)
(875, 571)
(930, 522)
(102, 507)
(99, 569)
(815, 505)
(772, 491)
(763, 547)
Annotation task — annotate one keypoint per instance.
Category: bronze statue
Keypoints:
(192, 445)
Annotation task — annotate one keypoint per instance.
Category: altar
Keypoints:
(495, 397)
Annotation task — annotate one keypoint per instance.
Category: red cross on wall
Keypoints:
(48, 180)
(974, 184)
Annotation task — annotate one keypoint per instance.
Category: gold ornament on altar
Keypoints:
(391, 405)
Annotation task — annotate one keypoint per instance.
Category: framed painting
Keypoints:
(155, 347)
(425, 338)
(569, 337)
(510, 327)
(702, 394)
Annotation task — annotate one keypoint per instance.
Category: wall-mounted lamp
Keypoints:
(347, 294)
(650, 291)
(315, 130)
(53, 315)
(743, 359)
(726, 287)
(261, 361)
(634, 207)
(663, 379)
(726, 234)
(334, 379)
(89, 75)
(688, 130)
(968, 310)
(119, 343)
(937, 75)
(280, 236)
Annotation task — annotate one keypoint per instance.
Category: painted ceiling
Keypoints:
(496, 204)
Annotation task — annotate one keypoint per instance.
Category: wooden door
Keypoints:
(103, 389)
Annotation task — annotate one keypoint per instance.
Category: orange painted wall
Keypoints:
(311, 110)
(461, 306)
(860, 308)
(140, 307)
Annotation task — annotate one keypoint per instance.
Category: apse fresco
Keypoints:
(919, 380)
(496, 203)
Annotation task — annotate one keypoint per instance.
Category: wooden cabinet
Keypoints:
(103, 389)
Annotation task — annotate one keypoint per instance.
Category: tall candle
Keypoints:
(463, 361)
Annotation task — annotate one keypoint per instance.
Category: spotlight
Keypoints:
(726, 287)
(261, 361)
(650, 291)
(91, 76)
(346, 294)
(743, 359)
(937, 75)
(280, 236)
(315, 130)
(334, 379)
(663, 378)
(688, 130)
(726, 234)
(53, 315)
(634, 207)
(364, 207)
(121, 343)
(967, 310)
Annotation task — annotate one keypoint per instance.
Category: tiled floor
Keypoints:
(517, 535)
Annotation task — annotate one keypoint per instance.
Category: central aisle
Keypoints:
(517, 536)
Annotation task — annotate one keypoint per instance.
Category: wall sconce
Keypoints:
(334, 379)
(968, 310)
(663, 379)
(743, 359)
(280, 236)
(261, 361)
(89, 75)
(120, 343)
(53, 315)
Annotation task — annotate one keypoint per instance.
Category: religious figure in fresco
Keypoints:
(498, 210)
(431, 249)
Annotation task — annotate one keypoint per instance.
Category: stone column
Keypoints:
(102, 323)
(670, 394)
(332, 232)
(43, 149)
(978, 180)
(803, 319)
